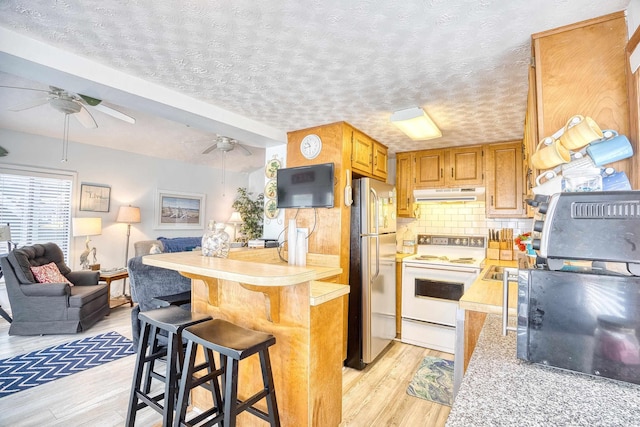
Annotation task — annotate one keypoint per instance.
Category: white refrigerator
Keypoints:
(372, 278)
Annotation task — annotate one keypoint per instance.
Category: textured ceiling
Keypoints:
(296, 64)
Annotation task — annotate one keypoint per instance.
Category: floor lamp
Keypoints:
(129, 215)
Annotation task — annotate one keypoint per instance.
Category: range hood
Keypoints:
(449, 195)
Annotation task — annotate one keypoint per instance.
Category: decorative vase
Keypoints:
(215, 241)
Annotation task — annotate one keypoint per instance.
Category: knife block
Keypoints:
(506, 254)
(493, 251)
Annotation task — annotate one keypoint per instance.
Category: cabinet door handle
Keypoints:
(491, 200)
(441, 173)
(451, 172)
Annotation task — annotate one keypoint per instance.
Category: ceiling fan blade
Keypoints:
(90, 100)
(25, 88)
(210, 149)
(30, 104)
(115, 113)
(246, 152)
(85, 118)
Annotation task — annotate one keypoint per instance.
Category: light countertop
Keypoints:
(486, 295)
(244, 271)
(500, 389)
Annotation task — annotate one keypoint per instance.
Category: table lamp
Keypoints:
(5, 235)
(235, 219)
(87, 227)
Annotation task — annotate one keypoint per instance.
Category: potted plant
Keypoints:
(251, 213)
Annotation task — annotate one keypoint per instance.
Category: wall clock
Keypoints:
(311, 146)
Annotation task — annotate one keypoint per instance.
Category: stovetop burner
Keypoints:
(442, 250)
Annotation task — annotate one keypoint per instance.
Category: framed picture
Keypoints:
(177, 210)
(95, 197)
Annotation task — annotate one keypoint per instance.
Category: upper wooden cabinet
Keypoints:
(580, 69)
(455, 167)
(404, 184)
(368, 156)
(380, 160)
(504, 186)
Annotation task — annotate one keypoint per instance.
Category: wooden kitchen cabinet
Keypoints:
(380, 158)
(455, 167)
(504, 186)
(368, 156)
(580, 69)
(404, 184)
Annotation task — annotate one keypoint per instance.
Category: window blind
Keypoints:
(37, 206)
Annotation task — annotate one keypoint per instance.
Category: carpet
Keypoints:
(433, 381)
(38, 367)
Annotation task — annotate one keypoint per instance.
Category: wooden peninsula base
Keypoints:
(304, 315)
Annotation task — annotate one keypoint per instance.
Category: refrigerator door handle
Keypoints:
(376, 201)
(375, 276)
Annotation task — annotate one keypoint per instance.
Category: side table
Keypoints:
(110, 277)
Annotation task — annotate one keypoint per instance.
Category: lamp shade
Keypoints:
(416, 124)
(87, 226)
(5, 233)
(128, 214)
(235, 218)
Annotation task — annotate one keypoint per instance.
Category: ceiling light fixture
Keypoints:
(416, 124)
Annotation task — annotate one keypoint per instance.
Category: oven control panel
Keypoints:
(464, 241)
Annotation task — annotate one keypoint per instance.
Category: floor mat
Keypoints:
(433, 381)
(38, 367)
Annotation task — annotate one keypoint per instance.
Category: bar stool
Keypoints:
(171, 320)
(233, 343)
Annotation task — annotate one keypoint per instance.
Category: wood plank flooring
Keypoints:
(98, 397)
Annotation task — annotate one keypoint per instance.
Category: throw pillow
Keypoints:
(155, 249)
(49, 273)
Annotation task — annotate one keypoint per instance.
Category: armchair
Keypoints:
(51, 308)
(153, 287)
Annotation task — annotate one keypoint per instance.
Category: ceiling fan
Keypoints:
(226, 144)
(71, 104)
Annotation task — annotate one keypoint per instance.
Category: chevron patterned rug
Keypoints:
(38, 367)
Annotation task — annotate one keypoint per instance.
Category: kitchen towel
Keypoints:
(433, 381)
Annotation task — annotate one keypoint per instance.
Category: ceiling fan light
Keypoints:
(416, 124)
(66, 106)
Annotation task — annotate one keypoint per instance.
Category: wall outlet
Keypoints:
(304, 231)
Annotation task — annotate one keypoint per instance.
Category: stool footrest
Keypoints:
(247, 405)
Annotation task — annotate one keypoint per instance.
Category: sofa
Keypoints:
(51, 308)
(164, 244)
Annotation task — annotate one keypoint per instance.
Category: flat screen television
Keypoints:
(306, 186)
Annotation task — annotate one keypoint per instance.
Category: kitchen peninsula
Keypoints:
(258, 291)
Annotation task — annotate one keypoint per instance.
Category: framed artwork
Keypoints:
(177, 210)
(95, 197)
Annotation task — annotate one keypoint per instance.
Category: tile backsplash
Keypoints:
(459, 218)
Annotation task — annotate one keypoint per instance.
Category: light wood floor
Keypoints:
(98, 397)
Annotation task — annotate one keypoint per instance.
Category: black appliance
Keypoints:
(580, 309)
(593, 226)
(306, 186)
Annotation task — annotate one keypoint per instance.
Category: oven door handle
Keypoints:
(438, 267)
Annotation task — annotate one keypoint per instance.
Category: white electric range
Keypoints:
(433, 281)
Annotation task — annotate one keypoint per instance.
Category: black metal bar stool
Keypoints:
(171, 320)
(233, 343)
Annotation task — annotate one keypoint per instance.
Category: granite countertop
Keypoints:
(500, 389)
